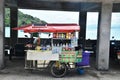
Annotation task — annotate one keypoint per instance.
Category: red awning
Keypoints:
(22, 27)
(49, 28)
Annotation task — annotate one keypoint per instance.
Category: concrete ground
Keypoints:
(14, 70)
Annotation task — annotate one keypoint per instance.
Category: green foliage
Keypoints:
(7, 17)
(23, 19)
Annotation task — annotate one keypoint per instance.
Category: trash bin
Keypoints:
(85, 59)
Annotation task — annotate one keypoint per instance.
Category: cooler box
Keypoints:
(85, 59)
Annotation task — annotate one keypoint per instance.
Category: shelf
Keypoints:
(61, 39)
(79, 56)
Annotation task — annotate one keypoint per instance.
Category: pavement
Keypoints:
(14, 70)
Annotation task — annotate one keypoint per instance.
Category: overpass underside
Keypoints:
(104, 7)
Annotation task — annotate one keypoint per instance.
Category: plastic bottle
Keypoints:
(57, 35)
(58, 45)
(67, 34)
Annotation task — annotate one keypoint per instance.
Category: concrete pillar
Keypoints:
(82, 23)
(103, 37)
(13, 23)
(1, 34)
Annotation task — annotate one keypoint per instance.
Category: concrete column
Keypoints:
(103, 38)
(1, 34)
(13, 23)
(82, 23)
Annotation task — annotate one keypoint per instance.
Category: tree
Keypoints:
(23, 19)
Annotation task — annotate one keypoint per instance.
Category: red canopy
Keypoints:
(49, 28)
(39, 29)
(22, 27)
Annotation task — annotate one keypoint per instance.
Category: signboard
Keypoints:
(41, 55)
(56, 50)
(74, 42)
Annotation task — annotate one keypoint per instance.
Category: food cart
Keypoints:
(61, 55)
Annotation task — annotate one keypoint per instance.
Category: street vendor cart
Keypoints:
(61, 55)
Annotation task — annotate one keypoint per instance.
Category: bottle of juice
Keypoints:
(62, 35)
(56, 35)
(67, 35)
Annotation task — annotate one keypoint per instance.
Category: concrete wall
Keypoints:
(1, 34)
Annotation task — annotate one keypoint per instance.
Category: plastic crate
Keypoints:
(67, 58)
(70, 56)
(78, 59)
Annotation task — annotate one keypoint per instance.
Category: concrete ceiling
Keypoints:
(62, 5)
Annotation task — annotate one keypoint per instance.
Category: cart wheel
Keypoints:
(58, 71)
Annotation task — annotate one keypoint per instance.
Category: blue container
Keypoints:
(85, 59)
(80, 71)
